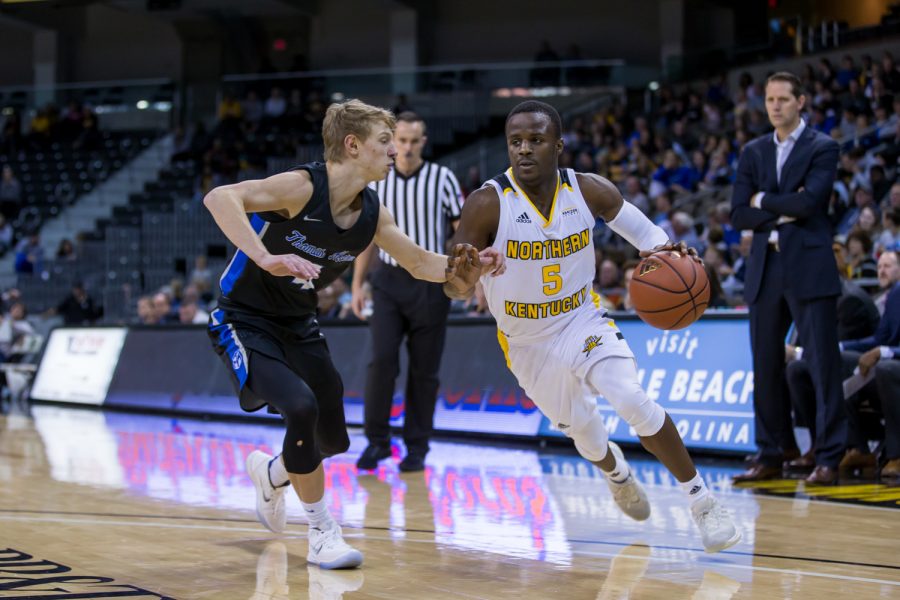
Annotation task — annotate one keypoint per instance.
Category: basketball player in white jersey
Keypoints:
(559, 343)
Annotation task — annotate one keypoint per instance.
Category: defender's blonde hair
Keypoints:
(351, 117)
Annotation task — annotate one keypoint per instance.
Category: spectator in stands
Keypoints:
(719, 174)
(847, 72)
(77, 308)
(294, 113)
(890, 71)
(890, 234)
(875, 348)
(893, 199)
(672, 175)
(862, 197)
(6, 235)
(887, 385)
(146, 312)
(634, 193)
(13, 327)
(609, 285)
(201, 276)
(230, 110)
(627, 274)
(859, 256)
(868, 221)
(683, 230)
(162, 308)
(717, 296)
(191, 314)
(276, 105)
(39, 131)
(66, 251)
(10, 194)
(252, 108)
(881, 185)
(717, 262)
(30, 255)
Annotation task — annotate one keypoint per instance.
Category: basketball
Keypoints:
(669, 290)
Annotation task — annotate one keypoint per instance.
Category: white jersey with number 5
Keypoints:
(549, 261)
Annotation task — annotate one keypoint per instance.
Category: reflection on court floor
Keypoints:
(493, 499)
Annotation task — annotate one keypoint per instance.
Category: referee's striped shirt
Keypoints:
(423, 205)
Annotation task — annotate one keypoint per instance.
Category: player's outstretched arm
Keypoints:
(477, 228)
(286, 194)
(419, 262)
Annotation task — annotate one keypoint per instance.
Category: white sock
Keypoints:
(278, 475)
(695, 489)
(619, 473)
(317, 513)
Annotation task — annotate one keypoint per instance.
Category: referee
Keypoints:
(426, 200)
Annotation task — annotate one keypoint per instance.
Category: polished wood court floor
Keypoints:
(106, 505)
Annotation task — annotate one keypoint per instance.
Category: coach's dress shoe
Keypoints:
(412, 463)
(822, 475)
(892, 469)
(854, 460)
(757, 472)
(803, 464)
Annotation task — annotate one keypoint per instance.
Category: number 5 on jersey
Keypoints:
(552, 279)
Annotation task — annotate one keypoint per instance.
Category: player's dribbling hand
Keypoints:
(673, 247)
(492, 262)
(285, 265)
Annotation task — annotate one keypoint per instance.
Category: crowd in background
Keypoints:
(676, 163)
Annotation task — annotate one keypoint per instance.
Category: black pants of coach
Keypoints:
(816, 319)
(404, 307)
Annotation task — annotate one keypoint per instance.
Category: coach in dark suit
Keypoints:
(781, 192)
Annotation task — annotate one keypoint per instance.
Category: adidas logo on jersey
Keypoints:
(523, 218)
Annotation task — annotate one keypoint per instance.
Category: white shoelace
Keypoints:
(331, 538)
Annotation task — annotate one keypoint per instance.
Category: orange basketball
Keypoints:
(669, 290)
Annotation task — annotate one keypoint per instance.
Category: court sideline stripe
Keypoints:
(390, 539)
(422, 531)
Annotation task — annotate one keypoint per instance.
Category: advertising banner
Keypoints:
(702, 376)
(78, 364)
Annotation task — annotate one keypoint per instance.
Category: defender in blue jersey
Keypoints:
(304, 229)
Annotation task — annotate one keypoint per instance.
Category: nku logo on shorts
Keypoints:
(237, 360)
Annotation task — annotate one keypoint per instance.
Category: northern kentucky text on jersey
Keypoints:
(541, 250)
(542, 310)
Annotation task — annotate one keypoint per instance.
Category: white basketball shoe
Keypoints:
(269, 499)
(328, 549)
(716, 527)
(628, 494)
